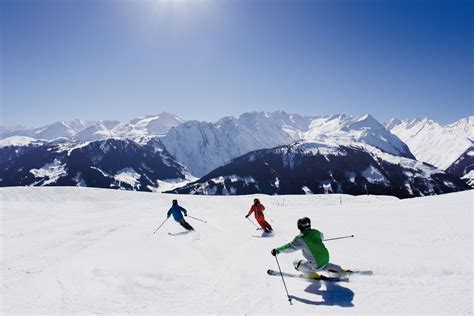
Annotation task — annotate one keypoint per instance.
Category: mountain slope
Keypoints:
(315, 167)
(17, 141)
(349, 130)
(85, 251)
(137, 129)
(97, 131)
(434, 143)
(203, 146)
(15, 146)
(463, 167)
(141, 129)
(111, 163)
(51, 131)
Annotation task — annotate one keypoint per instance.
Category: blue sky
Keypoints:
(202, 60)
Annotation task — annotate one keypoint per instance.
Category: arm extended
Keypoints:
(292, 246)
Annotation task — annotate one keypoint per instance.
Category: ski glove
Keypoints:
(246, 216)
(274, 252)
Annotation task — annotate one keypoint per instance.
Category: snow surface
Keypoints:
(83, 250)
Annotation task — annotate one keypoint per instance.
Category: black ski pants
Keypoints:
(185, 224)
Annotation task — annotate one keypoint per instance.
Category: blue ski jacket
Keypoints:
(176, 211)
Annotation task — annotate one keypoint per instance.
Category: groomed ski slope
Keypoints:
(81, 250)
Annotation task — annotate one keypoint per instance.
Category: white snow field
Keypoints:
(83, 250)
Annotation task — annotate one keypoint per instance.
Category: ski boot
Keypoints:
(315, 276)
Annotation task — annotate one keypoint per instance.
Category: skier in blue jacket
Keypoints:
(178, 212)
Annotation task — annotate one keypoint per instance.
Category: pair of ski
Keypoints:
(342, 277)
(180, 233)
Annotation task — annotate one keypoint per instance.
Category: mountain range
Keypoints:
(310, 167)
(78, 130)
(190, 149)
(109, 163)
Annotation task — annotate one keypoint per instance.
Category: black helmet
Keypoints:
(256, 200)
(175, 202)
(304, 224)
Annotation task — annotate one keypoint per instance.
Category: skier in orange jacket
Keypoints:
(258, 208)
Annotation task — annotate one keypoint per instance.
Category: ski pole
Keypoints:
(197, 219)
(283, 279)
(252, 223)
(338, 238)
(161, 225)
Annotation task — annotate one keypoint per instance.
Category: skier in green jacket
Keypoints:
(310, 241)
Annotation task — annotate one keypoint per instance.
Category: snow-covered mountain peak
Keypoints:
(163, 117)
(77, 125)
(364, 122)
(203, 146)
(432, 142)
(413, 123)
(17, 141)
(366, 117)
(392, 123)
(464, 126)
(349, 130)
(11, 128)
(78, 130)
(100, 130)
(147, 126)
(60, 129)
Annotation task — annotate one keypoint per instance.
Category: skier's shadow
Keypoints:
(334, 295)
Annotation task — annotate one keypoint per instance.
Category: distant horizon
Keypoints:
(234, 116)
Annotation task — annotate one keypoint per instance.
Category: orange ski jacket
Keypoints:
(258, 210)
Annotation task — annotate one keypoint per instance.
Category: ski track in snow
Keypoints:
(83, 250)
